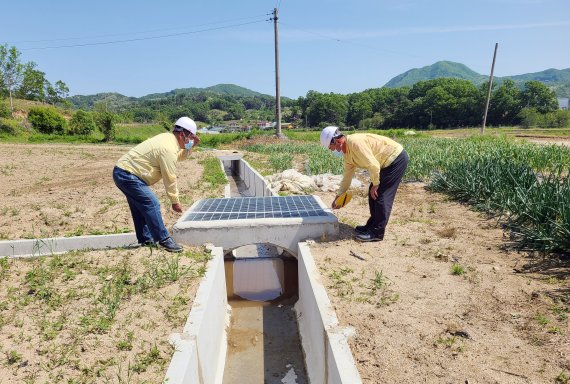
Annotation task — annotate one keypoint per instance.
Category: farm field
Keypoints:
(443, 299)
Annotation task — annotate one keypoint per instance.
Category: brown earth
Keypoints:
(501, 318)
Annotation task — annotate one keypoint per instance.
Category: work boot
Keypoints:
(170, 245)
(369, 236)
(361, 229)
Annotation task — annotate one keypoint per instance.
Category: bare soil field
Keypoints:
(443, 299)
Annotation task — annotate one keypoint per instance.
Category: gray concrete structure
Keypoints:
(285, 233)
(57, 245)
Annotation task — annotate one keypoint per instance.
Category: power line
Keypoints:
(128, 33)
(143, 38)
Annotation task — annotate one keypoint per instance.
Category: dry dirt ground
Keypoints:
(443, 299)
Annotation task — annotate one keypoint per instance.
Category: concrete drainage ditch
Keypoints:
(276, 327)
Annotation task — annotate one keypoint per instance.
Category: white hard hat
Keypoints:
(327, 135)
(186, 123)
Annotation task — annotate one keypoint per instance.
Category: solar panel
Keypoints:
(243, 208)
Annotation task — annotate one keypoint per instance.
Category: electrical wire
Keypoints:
(129, 33)
(142, 38)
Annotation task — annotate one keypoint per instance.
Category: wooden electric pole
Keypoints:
(489, 90)
(277, 86)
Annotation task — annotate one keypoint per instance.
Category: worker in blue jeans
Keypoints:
(386, 162)
(146, 164)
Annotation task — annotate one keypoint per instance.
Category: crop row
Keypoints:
(527, 186)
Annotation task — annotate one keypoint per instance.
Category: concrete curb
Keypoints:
(200, 350)
(58, 245)
(325, 343)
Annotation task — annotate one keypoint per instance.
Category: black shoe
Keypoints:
(170, 245)
(368, 237)
(361, 229)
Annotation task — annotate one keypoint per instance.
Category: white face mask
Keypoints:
(338, 153)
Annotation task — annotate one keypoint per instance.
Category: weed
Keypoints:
(144, 360)
(126, 344)
(560, 311)
(13, 357)
(542, 320)
(378, 282)
(172, 270)
(7, 170)
(341, 283)
(447, 341)
(213, 173)
(42, 180)
(5, 265)
(49, 330)
(172, 311)
(457, 269)
(107, 203)
(562, 378)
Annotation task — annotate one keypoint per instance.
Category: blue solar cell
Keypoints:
(241, 208)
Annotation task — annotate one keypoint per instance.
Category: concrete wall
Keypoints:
(200, 350)
(254, 182)
(327, 353)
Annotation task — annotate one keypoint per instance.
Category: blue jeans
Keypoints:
(145, 207)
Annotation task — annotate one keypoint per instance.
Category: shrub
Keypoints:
(106, 123)
(5, 109)
(82, 123)
(9, 126)
(47, 120)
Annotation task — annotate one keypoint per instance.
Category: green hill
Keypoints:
(557, 80)
(110, 99)
(118, 100)
(219, 89)
(439, 69)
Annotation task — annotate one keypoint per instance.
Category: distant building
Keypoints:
(563, 103)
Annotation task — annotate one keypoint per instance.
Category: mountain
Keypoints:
(439, 69)
(111, 99)
(219, 89)
(555, 79)
(116, 99)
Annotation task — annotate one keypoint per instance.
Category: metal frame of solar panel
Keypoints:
(241, 208)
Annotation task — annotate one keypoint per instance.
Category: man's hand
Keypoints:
(177, 207)
(333, 206)
(374, 192)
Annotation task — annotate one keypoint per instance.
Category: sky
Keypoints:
(140, 47)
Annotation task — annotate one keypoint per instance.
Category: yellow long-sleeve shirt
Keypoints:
(156, 159)
(369, 151)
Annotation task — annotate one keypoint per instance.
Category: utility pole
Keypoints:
(277, 86)
(489, 90)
